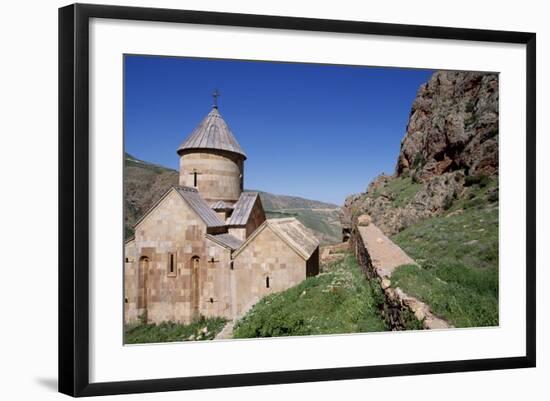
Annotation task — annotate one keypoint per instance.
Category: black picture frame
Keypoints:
(74, 198)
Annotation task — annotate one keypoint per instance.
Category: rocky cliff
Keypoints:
(453, 125)
(450, 144)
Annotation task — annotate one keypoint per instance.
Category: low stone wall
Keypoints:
(378, 257)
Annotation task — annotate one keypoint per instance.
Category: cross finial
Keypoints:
(215, 95)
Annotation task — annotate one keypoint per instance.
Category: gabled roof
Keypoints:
(195, 201)
(199, 205)
(221, 205)
(212, 133)
(226, 240)
(292, 232)
(242, 209)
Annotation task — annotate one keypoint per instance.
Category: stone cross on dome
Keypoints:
(215, 95)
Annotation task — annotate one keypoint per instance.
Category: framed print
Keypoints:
(238, 192)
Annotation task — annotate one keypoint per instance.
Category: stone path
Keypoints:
(386, 256)
(227, 331)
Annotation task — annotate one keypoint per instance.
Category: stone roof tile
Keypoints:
(296, 235)
(243, 208)
(199, 205)
(226, 240)
(212, 133)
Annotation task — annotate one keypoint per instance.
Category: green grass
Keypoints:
(201, 329)
(339, 300)
(458, 255)
(400, 190)
(270, 214)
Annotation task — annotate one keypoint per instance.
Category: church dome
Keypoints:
(211, 133)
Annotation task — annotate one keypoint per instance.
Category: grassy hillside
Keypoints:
(458, 257)
(325, 223)
(201, 329)
(145, 183)
(400, 190)
(280, 202)
(339, 300)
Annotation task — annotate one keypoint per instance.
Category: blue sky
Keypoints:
(316, 131)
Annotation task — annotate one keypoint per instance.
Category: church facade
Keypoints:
(206, 248)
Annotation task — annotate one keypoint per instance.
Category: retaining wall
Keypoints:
(378, 257)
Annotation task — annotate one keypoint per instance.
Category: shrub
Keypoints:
(143, 318)
(489, 134)
(493, 196)
(415, 178)
(448, 202)
(483, 181)
(479, 179)
(470, 121)
(474, 202)
(419, 160)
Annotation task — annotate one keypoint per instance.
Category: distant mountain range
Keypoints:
(145, 183)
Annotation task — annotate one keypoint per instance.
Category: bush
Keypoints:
(415, 178)
(493, 196)
(419, 160)
(479, 179)
(474, 202)
(489, 134)
(470, 121)
(448, 202)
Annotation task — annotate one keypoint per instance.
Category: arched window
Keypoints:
(195, 262)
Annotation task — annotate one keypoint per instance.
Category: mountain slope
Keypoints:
(145, 183)
(279, 202)
(451, 143)
(320, 217)
(442, 203)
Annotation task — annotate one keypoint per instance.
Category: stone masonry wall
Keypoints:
(378, 257)
(219, 174)
(174, 232)
(266, 260)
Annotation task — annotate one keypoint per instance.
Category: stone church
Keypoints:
(206, 248)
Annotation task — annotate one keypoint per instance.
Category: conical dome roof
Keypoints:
(212, 133)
